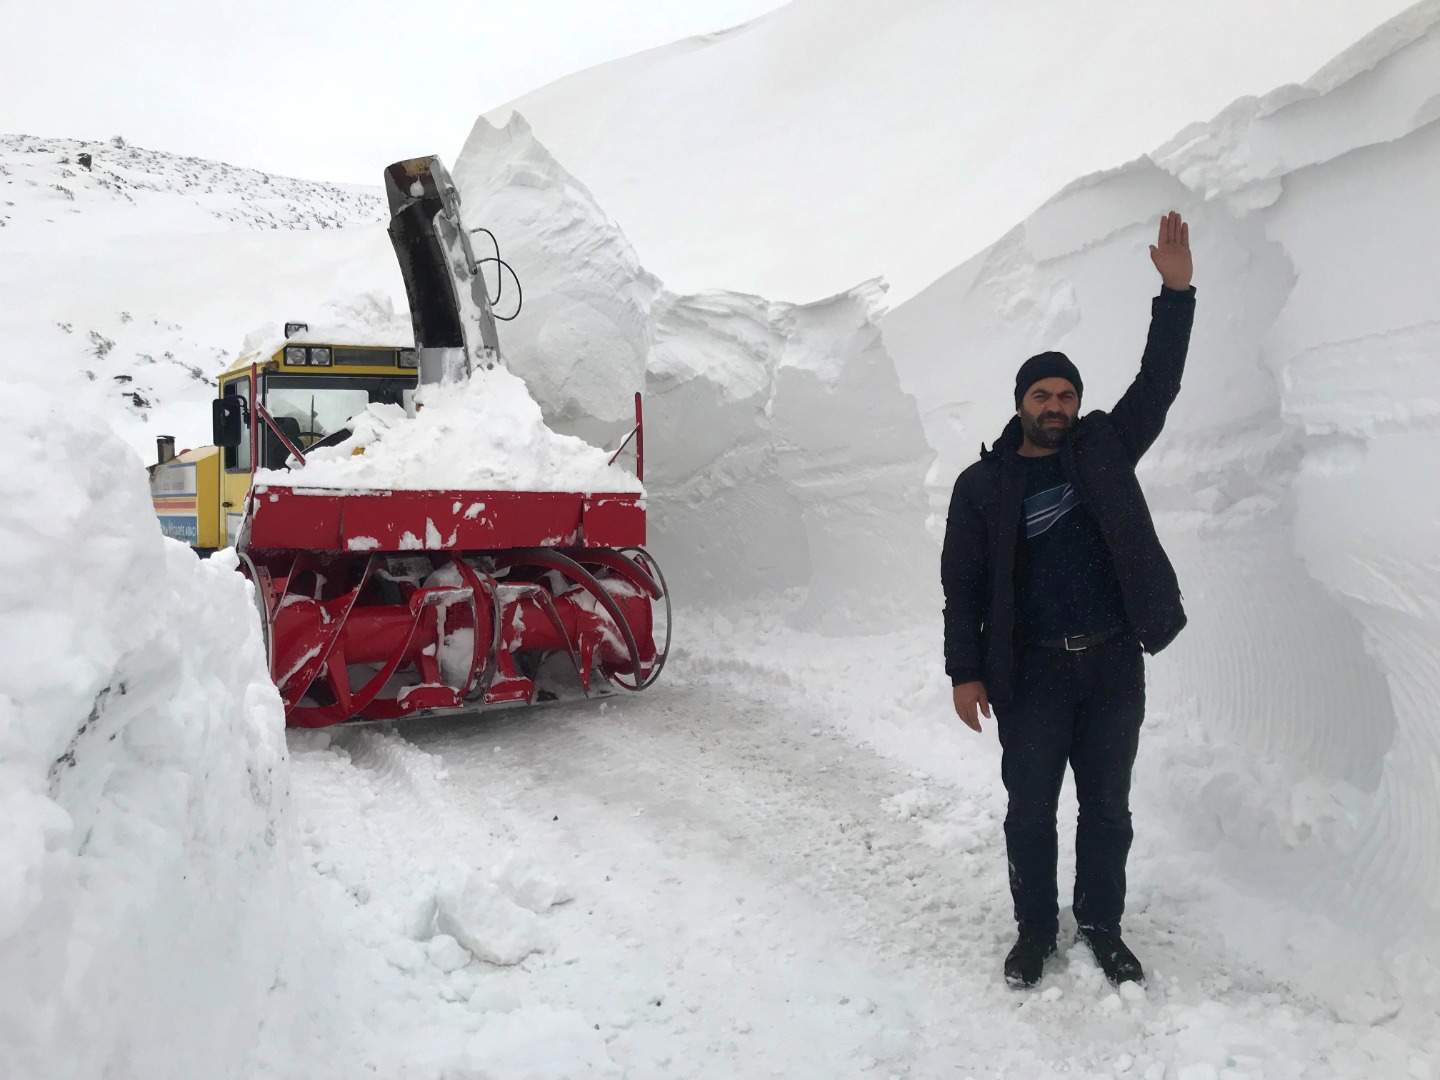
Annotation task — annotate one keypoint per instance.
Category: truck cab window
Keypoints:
(312, 408)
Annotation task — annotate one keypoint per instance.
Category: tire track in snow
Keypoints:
(722, 825)
(695, 788)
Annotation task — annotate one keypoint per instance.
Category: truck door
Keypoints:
(235, 466)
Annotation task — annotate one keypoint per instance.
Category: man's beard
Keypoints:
(1043, 436)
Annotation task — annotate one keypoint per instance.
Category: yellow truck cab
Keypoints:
(310, 386)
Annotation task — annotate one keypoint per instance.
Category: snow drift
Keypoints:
(1293, 485)
(142, 773)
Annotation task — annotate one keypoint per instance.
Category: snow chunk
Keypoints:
(446, 953)
(476, 913)
(918, 802)
(529, 884)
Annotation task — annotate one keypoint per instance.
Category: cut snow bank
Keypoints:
(833, 140)
(1294, 485)
(583, 334)
(781, 453)
(786, 458)
(144, 880)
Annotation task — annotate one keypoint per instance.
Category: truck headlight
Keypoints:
(408, 359)
(320, 357)
(295, 355)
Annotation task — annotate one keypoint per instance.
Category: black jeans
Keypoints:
(1085, 708)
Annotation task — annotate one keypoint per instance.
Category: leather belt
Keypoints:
(1080, 642)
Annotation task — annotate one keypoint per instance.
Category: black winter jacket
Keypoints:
(978, 566)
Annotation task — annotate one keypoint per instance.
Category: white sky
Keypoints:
(325, 89)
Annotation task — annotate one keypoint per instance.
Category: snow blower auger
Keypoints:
(378, 605)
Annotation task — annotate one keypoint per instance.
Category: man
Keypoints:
(1054, 584)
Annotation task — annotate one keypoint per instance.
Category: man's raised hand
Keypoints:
(1171, 253)
(970, 702)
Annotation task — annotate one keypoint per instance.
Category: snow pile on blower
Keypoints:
(485, 433)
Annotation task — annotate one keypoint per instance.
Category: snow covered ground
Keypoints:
(753, 893)
(786, 858)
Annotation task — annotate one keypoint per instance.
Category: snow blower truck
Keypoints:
(387, 604)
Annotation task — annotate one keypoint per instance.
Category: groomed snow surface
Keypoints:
(786, 858)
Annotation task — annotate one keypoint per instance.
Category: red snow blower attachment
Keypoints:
(382, 604)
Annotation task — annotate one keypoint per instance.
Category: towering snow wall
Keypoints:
(1294, 485)
(834, 140)
(781, 453)
(145, 883)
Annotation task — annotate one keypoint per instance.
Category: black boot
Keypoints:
(1026, 962)
(1118, 962)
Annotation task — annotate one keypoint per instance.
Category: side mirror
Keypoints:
(228, 419)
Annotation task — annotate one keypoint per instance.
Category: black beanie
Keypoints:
(1046, 365)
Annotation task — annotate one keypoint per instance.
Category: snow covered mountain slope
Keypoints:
(1293, 485)
(131, 283)
(127, 190)
(835, 140)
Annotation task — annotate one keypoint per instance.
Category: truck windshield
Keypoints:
(310, 407)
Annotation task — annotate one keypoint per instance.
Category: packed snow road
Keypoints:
(754, 894)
